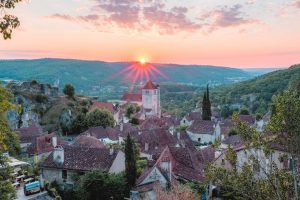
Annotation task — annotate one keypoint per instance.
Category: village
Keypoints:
(174, 150)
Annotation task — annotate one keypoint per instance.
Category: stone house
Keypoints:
(66, 161)
(203, 131)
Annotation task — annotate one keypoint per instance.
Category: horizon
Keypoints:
(247, 34)
(136, 61)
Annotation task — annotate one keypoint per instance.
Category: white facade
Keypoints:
(206, 137)
(151, 101)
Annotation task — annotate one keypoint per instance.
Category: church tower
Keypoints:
(151, 99)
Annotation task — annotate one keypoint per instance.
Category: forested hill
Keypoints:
(257, 93)
(86, 75)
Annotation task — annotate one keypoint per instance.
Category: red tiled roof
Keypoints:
(234, 140)
(43, 144)
(103, 105)
(202, 127)
(247, 118)
(150, 86)
(193, 116)
(29, 134)
(132, 97)
(83, 158)
(99, 132)
(88, 141)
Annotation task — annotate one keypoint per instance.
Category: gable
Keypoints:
(154, 175)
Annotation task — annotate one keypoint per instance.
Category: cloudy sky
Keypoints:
(233, 33)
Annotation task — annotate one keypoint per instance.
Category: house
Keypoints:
(276, 156)
(204, 131)
(28, 135)
(175, 165)
(190, 117)
(66, 161)
(114, 110)
(106, 135)
(43, 145)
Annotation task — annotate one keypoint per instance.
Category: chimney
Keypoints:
(121, 127)
(54, 141)
(111, 151)
(58, 155)
(146, 146)
(178, 135)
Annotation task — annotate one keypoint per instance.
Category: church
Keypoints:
(148, 99)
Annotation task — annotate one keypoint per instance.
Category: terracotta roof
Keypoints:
(150, 86)
(103, 105)
(202, 127)
(83, 159)
(247, 118)
(206, 155)
(100, 133)
(132, 97)
(185, 164)
(234, 140)
(193, 116)
(28, 134)
(43, 144)
(88, 141)
(226, 125)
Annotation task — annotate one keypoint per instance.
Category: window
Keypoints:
(223, 162)
(64, 174)
(199, 139)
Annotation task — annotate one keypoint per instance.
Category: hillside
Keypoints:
(257, 93)
(93, 77)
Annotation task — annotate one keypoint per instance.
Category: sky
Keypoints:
(233, 33)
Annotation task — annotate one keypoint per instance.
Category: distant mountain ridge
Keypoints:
(90, 76)
(257, 92)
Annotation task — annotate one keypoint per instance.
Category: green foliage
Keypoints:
(9, 142)
(206, 106)
(261, 89)
(198, 188)
(100, 185)
(244, 112)
(232, 131)
(182, 127)
(69, 90)
(227, 112)
(135, 121)
(129, 111)
(242, 183)
(99, 117)
(8, 22)
(141, 165)
(79, 124)
(130, 161)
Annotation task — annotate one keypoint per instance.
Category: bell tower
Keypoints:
(151, 99)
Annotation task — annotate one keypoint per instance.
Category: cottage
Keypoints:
(106, 135)
(174, 165)
(64, 162)
(190, 117)
(203, 131)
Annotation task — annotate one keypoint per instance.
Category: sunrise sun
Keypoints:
(142, 61)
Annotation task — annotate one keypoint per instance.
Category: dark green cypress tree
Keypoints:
(208, 103)
(206, 106)
(130, 161)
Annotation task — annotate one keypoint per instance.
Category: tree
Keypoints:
(177, 192)
(100, 185)
(9, 142)
(244, 112)
(206, 106)
(130, 161)
(241, 182)
(131, 109)
(69, 90)
(8, 22)
(100, 117)
(79, 124)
